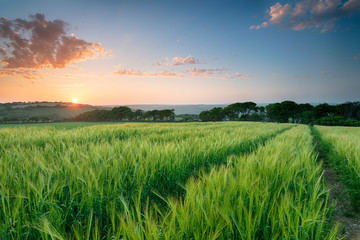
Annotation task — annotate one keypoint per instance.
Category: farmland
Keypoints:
(225, 180)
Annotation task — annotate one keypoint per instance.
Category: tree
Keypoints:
(215, 114)
(166, 115)
(305, 114)
(237, 111)
(94, 116)
(325, 110)
(121, 113)
(351, 110)
(138, 115)
(233, 112)
(205, 116)
(283, 112)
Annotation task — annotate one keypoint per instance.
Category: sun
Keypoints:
(75, 100)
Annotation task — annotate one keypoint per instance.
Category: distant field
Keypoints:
(53, 111)
(58, 125)
(226, 180)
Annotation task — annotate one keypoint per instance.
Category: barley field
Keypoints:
(225, 180)
(342, 145)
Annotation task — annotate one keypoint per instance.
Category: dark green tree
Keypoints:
(283, 112)
(215, 114)
(205, 116)
(121, 113)
(237, 111)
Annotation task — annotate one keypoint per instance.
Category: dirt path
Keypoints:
(343, 213)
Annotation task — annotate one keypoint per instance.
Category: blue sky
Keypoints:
(183, 52)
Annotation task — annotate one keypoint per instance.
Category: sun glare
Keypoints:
(75, 100)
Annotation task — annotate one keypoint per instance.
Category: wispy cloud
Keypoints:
(236, 75)
(323, 72)
(318, 14)
(21, 73)
(40, 43)
(357, 57)
(202, 72)
(215, 73)
(133, 73)
(177, 61)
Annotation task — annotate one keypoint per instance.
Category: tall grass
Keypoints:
(276, 192)
(342, 147)
(80, 183)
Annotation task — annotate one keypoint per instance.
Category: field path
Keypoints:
(344, 213)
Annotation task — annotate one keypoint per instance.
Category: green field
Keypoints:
(58, 125)
(226, 180)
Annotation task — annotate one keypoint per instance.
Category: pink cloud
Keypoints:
(278, 12)
(202, 72)
(236, 75)
(318, 14)
(177, 61)
(40, 43)
(133, 73)
(257, 27)
(357, 57)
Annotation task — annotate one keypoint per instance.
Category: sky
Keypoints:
(179, 51)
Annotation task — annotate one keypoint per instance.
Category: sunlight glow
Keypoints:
(75, 100)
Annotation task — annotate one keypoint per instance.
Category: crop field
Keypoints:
(225, 180)
(342, 145)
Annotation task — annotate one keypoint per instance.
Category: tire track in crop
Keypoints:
(179, 191)
(343, 212)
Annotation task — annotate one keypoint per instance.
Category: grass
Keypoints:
(276, 192)
(341, 147)
(83, 183)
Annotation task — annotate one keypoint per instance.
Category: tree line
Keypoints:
(346, 114)
(125, 114)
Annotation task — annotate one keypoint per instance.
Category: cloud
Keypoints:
(219, 73)
(177, 61)
(357, 57)
(324, 72)
(278, 12)
(133, 73)
(201, 72)
(25, 74)
(305, 14)
(215, 73)
(236, 75)
(40, 43)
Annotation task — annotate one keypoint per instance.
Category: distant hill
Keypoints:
(58, 111)
(51, 110)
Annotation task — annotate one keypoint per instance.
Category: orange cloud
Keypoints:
(131, 72)
(21, 73)
(40, 43)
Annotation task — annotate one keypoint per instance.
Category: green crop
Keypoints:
(227, 180)
(342, 148)
(276, 192)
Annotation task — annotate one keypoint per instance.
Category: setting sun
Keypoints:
(74, 100)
